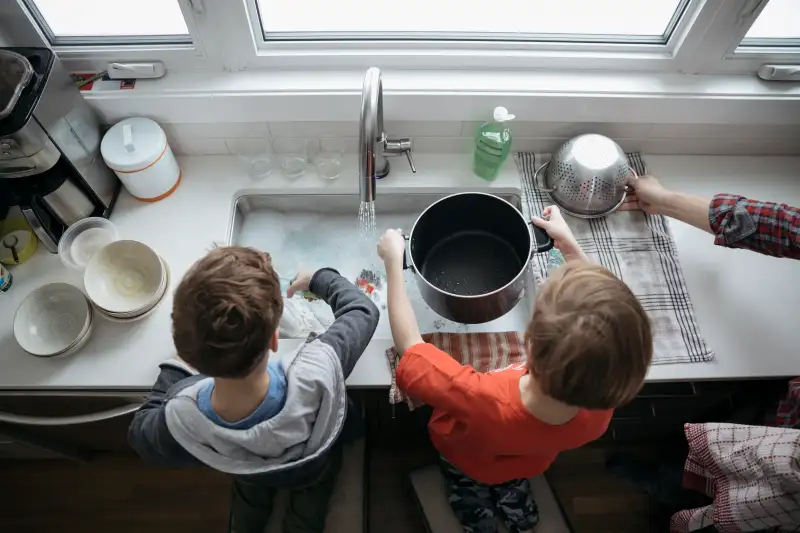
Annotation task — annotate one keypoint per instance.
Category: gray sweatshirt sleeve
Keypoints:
(148, 433)
(356, 316)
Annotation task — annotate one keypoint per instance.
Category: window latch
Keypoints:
(779, 72)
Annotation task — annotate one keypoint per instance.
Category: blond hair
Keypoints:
(589, 341)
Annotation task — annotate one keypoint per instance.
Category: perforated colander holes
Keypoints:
(622, 175)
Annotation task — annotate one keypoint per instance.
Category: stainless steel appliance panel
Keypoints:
(75, 129)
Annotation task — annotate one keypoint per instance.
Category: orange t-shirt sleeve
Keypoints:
(428, 374)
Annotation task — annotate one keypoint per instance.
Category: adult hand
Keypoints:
(646, 194)
(300, 283)
(391, 247)
(562, 236)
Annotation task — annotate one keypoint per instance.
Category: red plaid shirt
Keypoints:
(765, 227)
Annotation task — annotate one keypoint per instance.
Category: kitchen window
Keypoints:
(778, 24)
(670, 36)
(74, 22)
(513, 20)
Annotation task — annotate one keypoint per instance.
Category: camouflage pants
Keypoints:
(475, 504)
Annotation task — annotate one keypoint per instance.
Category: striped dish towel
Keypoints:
(638, 248)
(482, 351)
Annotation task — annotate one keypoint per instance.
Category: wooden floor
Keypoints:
(118, 494)
(123, 495)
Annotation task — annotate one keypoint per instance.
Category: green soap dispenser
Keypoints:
(493, 144)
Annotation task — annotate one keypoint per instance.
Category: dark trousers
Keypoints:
(308, 503)
(475, 503)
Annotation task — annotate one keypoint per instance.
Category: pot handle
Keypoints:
(405, 252)
(536, 179)
(543, 241)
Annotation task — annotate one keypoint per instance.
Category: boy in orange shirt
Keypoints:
(589, 345)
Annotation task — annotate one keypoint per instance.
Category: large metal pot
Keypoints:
(470, 253)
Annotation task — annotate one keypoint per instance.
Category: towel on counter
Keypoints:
(482, 351)
(752, 473)
(638, 248)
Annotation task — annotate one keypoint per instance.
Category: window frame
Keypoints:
(27, 26)
(226, 35)
(455, 38)
(90, 40)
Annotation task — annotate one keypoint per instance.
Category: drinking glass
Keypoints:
(328, 158)
(291, 155)
(255, 156)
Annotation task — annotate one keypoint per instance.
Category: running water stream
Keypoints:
(370, 279)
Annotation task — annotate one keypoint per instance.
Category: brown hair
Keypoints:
(589, 341)
(225, 311)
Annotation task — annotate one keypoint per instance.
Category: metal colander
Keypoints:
(586, 176)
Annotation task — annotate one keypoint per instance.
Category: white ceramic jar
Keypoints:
(137, 150)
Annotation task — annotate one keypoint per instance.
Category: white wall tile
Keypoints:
(709, 146)
(248, 145)
(541, 145)
(350, 144)
(565, 130)
(422, 129)
(350, 129)
(313, 129)
(199, 146)
(222, 130)
(442, 145)
(725, 131)
(459, 137)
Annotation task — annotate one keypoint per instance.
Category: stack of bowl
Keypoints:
(126, 280)
(54, 320)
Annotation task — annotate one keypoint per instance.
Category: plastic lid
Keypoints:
(133, 144)
(85, 238)
(501, 114)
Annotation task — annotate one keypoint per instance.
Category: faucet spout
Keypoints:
(373, 143)
(372, 163)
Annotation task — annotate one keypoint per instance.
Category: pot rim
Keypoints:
(522, 270)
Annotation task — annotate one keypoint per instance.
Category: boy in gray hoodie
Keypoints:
(273, 422)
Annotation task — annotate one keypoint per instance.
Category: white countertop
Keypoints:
(746, 304)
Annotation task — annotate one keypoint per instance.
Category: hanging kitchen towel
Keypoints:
(752, 473)
(482, 351)
(638, 248)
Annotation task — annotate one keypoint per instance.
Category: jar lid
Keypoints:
(133, 144)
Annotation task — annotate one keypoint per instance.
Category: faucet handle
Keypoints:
(398, 147)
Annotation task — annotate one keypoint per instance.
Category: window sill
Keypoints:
(254, 96)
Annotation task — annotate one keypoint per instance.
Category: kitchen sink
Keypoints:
(311, 231)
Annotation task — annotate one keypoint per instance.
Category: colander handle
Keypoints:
(536, 179)
(635, 175)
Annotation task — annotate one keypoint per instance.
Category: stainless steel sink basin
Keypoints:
(311, 231)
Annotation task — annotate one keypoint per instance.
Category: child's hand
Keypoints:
(300, 283)
(391, 247)
(562, 236)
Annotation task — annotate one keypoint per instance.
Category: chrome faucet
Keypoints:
(373, 144)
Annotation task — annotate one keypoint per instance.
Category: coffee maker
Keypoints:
(50, 163)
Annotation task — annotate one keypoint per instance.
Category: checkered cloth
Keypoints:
(753, 474)
(482, 351)
(638, 248)
(788, 415)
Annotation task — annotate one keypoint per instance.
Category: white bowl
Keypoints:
(53, 320)
(123, 319)
(124, 277)
(146, 310)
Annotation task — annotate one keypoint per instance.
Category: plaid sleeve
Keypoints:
(765, 227)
